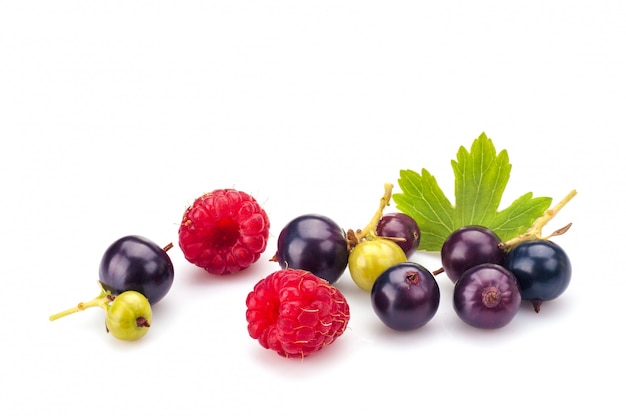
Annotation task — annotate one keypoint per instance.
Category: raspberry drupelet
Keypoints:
(296, 313)
(224, 231)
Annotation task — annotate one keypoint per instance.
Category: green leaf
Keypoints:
(481, 175)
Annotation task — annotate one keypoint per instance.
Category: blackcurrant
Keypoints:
(542, 268)
(467, 247)
(314, 243)
(487, 296)
(137, 263)
(405, 296)
(402, 228)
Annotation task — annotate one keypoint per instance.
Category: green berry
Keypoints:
(372, 257)
(129, 316)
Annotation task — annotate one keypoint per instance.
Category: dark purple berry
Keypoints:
(542, 268)
(487, 296)
(405, 296)
(468, 247)
(314, 243)
(136, 263)
(402, 228)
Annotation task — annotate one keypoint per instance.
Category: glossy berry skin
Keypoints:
(129, 316)
(400, 225)
(467, 247)
(136, 263)
(224, 231)
(315, 243)
(487, 296)
(542, 268)
(296, 313)
(405, 296)
(372, 257)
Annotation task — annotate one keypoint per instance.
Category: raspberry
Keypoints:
(224, 231)
(296, 313)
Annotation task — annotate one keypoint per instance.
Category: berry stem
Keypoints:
(370, 228)
(102, 300)
(535, 231)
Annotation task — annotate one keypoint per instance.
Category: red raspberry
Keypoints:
(224, 231)
(296, 313)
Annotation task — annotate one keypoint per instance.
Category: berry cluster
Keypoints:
(403, 294)
(491, 278)
(135, 273)
(297, 310)
(223, 231)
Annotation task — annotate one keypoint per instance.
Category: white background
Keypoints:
(116, 115)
